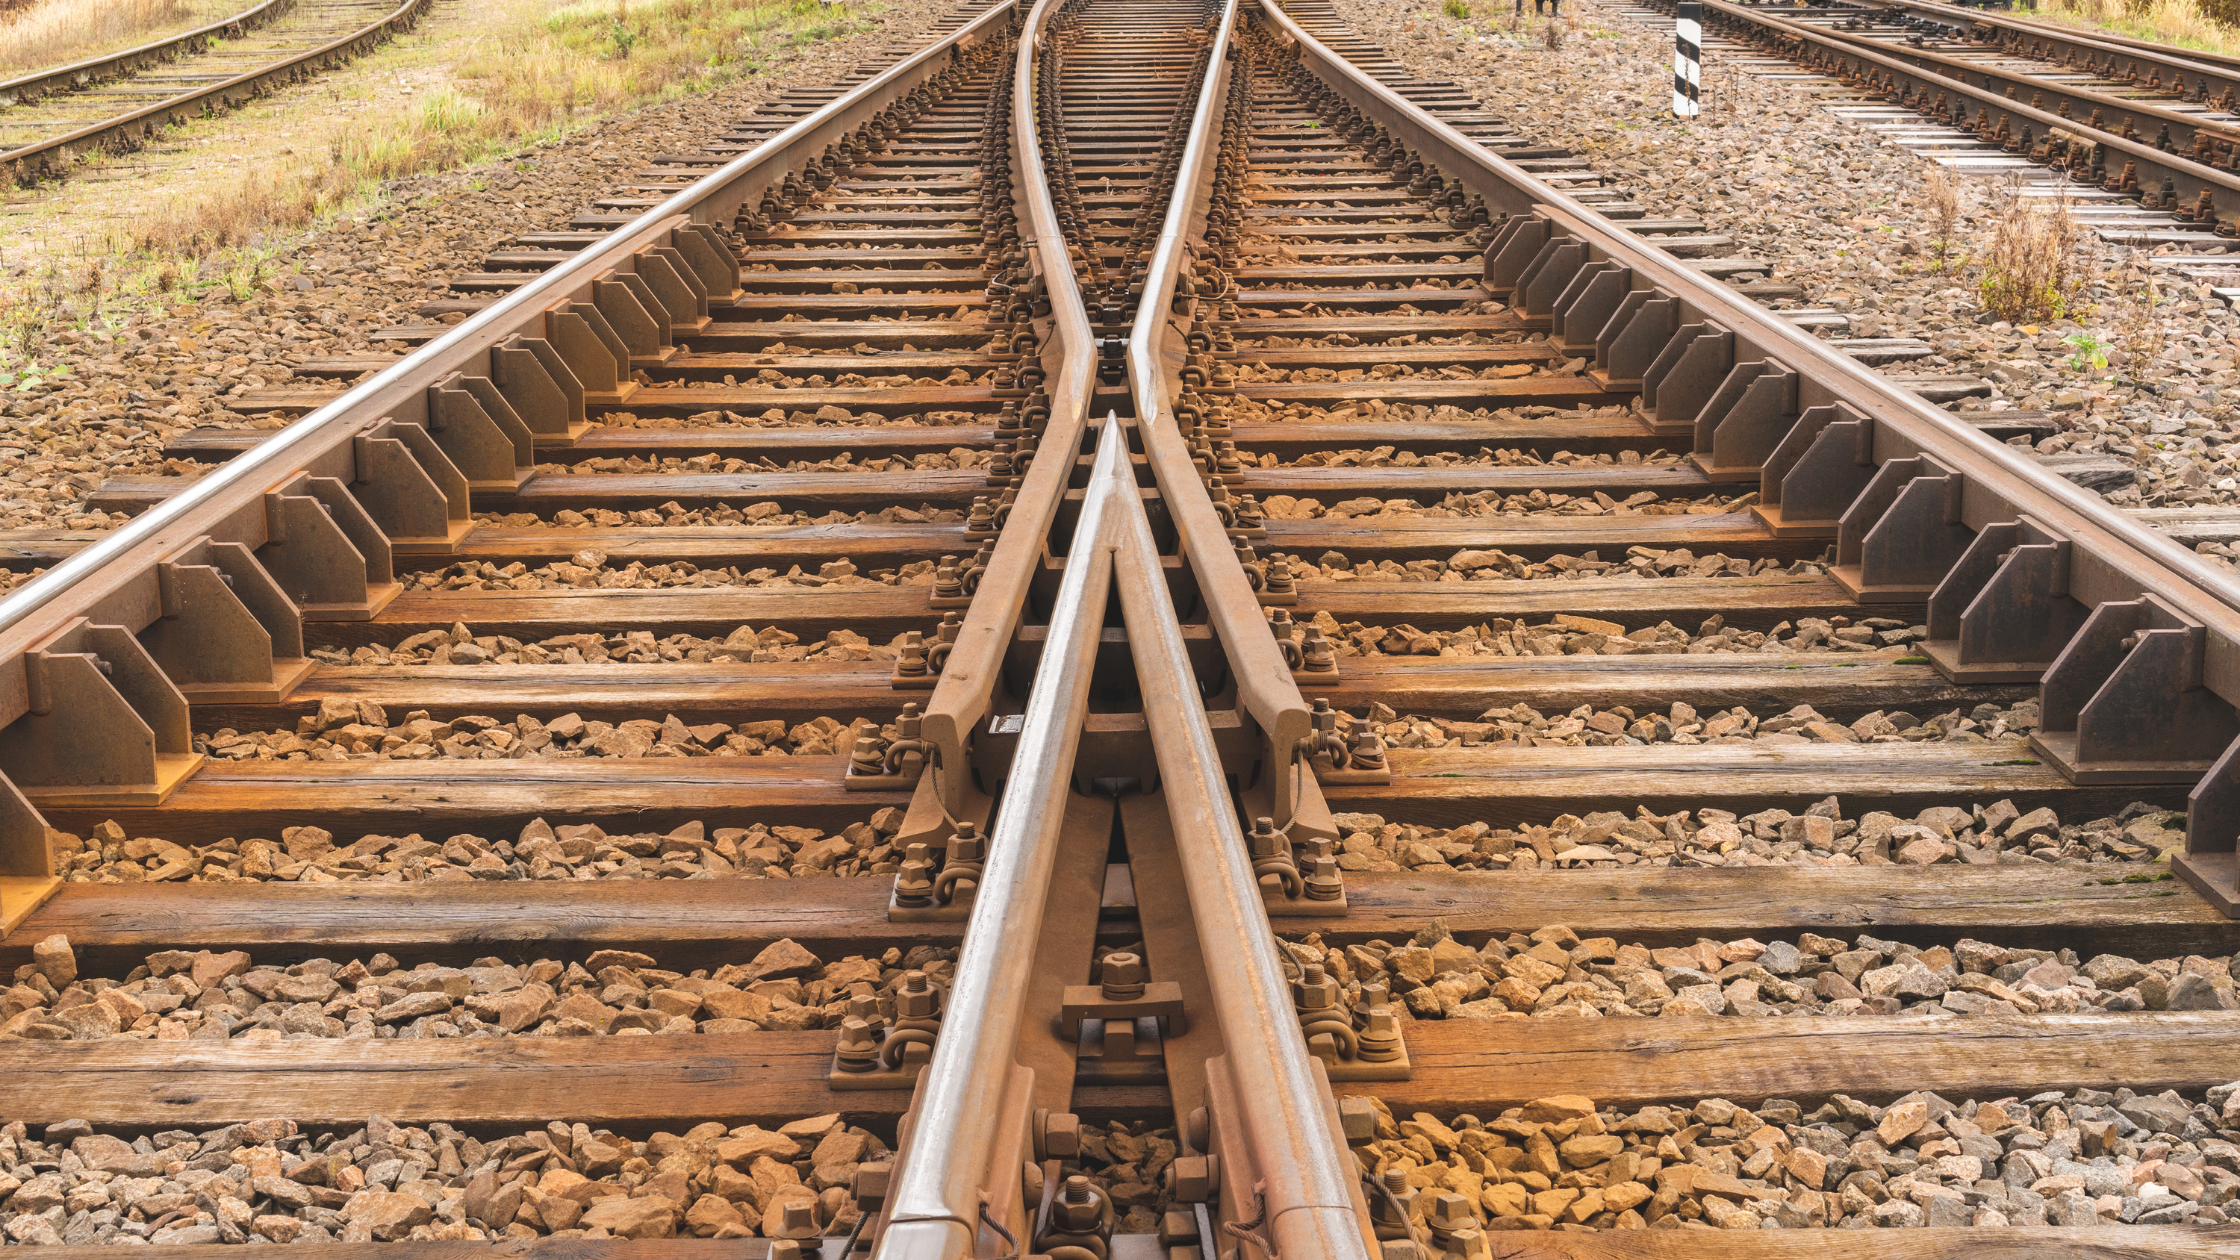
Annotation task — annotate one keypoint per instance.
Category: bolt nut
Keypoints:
(1449, 1212)
(1076, 1211)
(1122, 977)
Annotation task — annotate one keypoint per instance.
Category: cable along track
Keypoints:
(1053, 998)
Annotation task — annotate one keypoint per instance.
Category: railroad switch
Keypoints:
(1120, 1025)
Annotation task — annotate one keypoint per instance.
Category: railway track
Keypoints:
(1122, 634)
(52, 119)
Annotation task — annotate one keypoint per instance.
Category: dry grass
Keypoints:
(48, 33)
(549, 68)
(2209, 25)
(1942, 191)
(2029, 271)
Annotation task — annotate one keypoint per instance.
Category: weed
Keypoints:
(2028, 272)
(1943, 193)
(2091, 352)
(1457, 9)
(1551, 35)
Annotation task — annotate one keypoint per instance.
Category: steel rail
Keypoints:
(2190, 60)
(937, 1197)
(1305, 1176)
(2114, 558)
(961, 698)
(40, 83)
(54, 150)
(98, 576)
(1265, 687)
(2188, 179)
(2131, 108)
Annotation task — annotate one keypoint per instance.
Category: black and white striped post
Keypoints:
(1687, 60)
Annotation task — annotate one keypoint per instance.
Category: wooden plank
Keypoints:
(1429, 486)
(1759, 602)
(1533, 537)
(2030, 1242)
(695, 693)
(1467, 1065)
(862, 441)
(2090, 910)
(1842, 687)
(878, 612)
(871, 545)
(1587, 435)
(1510, 786)
(703, 922)
(493, 798)
(479, 1085)
(547, 493)
(688, 400)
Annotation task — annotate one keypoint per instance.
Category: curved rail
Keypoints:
(968, 680)
(53, 156)
(27, 88)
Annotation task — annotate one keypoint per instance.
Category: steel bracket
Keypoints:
(328, 556)
(2124, 702)
(595, 352)
(1744, 420)
(1815, 472)
(1633, 337)
(411, 489)
(1586, 305)
(1683, 377)
(227, 634)
(2004, 613)
(1902, 534)
(480, 432)
(536, 382)
(2210, 864)
(105, 727)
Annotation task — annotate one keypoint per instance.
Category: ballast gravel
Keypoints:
(541, 851)
(2077, 1158)
(275, 1181)
(745, 645)
(1979, 835)
(1552, 974)
(180, 995)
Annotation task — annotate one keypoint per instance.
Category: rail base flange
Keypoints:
(1945, 655)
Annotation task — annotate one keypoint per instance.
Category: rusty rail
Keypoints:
(2025, 576)
(127, 131)
(963, 697)
(1264, 684)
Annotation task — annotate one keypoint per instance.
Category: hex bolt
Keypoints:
(913, 884)
(1122, 976)
(859, 1046)
(966, 844)
(867, 757)
(916, 999)
(1076, 1210)
(1314, 991)
(1265, 841)
(1324, 883)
